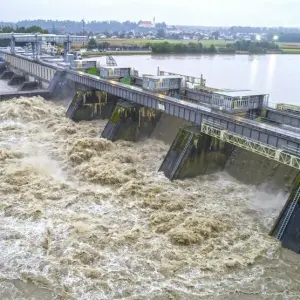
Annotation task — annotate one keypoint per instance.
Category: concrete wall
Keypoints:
(130, 122)
(167, 128)
(194, 153)
(207, 156)
(255, 169)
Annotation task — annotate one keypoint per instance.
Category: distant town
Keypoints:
(148, 35)
(150, 29)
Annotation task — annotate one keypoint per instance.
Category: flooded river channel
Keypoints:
(85, 218)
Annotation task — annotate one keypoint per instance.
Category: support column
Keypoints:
(12, 45)
(130, 122)
(91, 104)
(194, 153)
(67, 47)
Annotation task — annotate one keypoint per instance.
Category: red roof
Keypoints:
(145, 22)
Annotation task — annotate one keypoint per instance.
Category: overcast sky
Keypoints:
(179, 12)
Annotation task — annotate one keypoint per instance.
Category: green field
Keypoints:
(141, 42)
(289, 45)
(287, 48)
(290, 50)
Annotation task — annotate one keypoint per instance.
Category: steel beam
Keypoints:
(267, 151)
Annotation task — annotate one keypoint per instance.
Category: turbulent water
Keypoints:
(84, 218)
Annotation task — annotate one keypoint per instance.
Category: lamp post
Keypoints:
(83, 23)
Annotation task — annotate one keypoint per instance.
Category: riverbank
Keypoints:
(99, 53)
(220, 45)
(130, 53)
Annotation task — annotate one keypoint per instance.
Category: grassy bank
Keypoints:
(291, 51)
(220, 45)
(143, 42)
(286, 47)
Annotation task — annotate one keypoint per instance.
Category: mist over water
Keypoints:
(84, 218)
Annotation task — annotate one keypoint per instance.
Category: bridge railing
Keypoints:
(270, 152)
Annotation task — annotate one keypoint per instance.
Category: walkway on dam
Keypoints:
(192, 112)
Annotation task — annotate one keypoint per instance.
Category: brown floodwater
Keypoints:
(84, 218)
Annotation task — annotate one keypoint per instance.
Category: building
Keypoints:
(239, 100)
(114, 72)
(167, 84)
(147, 24)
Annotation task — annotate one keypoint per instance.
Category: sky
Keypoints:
(173, 12)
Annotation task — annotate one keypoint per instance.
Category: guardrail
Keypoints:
(270, 152)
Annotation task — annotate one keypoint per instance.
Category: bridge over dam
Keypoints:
(203, 137)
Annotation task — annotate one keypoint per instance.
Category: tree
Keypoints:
(122, 35)
(161, 33)
(36, 29)
(216, 35)
(212, 49)
(92, 44)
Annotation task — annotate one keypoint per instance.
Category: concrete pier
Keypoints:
(90, 104)
(130, 122)
(194, 153)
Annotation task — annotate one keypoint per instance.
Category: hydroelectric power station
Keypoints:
(206, 126)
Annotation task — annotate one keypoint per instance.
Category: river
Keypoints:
(273, 74)
(85, 218)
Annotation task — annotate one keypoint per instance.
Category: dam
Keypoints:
(75, 173)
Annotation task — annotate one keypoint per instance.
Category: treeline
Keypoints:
(166, 47)
(32, 29)
(255, 47)
(247, 46)
(9, 29)
(76, 27)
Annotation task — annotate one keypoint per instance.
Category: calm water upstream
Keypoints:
(274, 74)
(85, 218)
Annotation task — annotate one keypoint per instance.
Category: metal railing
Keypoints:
(270, 152)
(181, 156)
(288, 215)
